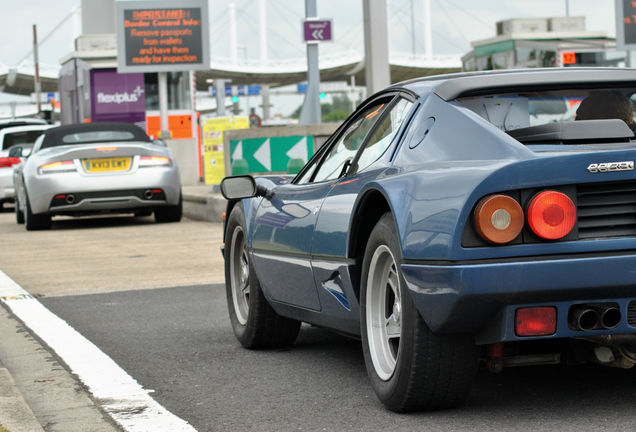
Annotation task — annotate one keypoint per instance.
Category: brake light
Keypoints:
(499, 219)
(551, 215)
(7, 162)
(154, 161)
(535, 321)
(57, 167)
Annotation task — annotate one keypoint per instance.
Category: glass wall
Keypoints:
(178, 91)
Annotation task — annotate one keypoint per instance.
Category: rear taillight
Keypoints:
(498, 219)
(535, 321)
(7, 162)
(154, 161)
(57, 167)
(551, 215)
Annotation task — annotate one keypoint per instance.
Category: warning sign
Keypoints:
(159, 36)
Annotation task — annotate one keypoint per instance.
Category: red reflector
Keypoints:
(6, 162)
(535, 321)
(157, 191)
(551, 215)
(60, 196)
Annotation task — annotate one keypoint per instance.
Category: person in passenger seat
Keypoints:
(606, 104)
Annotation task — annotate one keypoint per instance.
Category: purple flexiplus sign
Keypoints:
(117, 97)
(317, 30)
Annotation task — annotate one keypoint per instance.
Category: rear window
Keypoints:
(522, 109)
(20, 138)
(97, 136)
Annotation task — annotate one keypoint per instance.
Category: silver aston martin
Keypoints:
(95, 168)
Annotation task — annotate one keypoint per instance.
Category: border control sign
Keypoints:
(162, 36)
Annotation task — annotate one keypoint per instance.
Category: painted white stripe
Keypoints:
(119, 394)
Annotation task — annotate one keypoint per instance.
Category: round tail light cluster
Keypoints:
(499, 218)
(551, 215)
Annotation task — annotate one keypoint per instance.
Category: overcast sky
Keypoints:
(455, 24)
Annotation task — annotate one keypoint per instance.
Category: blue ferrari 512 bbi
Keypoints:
(451, 220)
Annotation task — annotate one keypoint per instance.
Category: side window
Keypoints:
(384, 134)
(309, 169)
(342, 153)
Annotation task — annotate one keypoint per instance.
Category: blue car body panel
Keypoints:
(441, 163)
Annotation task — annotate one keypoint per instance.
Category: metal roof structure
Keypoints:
(276, 73)
(20, 80)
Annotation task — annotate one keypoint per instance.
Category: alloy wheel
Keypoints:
(383, 312)
(240, 275)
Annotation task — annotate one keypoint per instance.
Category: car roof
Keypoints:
(26, 128)
(53, 136)
(452, 86)
(21, 122)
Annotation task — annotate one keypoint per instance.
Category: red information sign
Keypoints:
(162, 36)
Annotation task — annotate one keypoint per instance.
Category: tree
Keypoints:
(339, 109)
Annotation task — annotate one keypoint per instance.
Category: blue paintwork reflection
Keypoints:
(281, 241)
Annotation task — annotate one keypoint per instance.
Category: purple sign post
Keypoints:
(317, 30)
(117, 97)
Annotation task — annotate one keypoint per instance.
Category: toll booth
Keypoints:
(543, 42)
(91, 90)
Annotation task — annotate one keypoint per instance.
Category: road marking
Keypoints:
(119, 394)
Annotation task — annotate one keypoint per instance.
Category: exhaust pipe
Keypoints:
(584, 318)
(610, 317)
(148, 194)
(70, 199)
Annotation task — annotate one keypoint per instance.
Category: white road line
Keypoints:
(119, 394)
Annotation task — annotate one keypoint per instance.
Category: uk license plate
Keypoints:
(106, 164)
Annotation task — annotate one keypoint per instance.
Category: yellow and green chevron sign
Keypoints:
(276, 154)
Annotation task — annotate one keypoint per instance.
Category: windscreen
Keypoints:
(515, 110)
(97, 136)
(20, 138)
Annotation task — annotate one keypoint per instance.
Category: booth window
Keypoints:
(178, 91)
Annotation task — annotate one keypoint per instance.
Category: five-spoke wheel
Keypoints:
(410, 367)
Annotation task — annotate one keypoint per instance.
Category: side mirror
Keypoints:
(16, 151)
(238, 187)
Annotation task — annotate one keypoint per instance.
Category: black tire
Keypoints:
(255, 324)
(430, 371)
(169, 213)
(19, 216)
(34, 222)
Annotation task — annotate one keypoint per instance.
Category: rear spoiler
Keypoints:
(575, 132)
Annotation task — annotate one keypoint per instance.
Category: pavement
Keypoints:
(15, 413)
(31, 379)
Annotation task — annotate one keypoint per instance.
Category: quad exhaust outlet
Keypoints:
(594, 317)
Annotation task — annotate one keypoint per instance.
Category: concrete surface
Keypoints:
(15, 414)
(114, 253)
(36, 392)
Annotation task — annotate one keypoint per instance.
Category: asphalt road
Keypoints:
(178, 341)
(149, 295)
